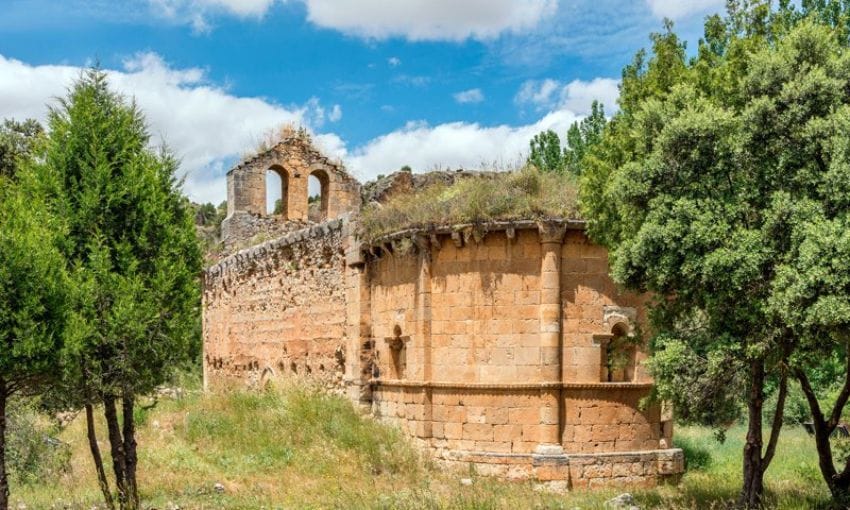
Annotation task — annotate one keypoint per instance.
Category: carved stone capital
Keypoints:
(551, 232)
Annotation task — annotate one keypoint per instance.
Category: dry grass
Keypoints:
(297, 448)
(526, 194)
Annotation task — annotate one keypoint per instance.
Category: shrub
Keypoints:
(34, 455)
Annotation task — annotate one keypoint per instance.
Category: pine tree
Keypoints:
(135, 258)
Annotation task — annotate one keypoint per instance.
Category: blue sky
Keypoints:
(429, 83)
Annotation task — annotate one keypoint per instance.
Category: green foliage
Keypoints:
(699, 380)
(17, 142)
(131, 240)
(33, 289)
(34, 454)
(546, 152)
(524, 194)
(723, 185)
(209, 215)
(582, 137)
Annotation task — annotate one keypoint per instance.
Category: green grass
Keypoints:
(296, 448)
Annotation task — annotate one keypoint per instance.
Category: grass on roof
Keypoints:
(525, 194)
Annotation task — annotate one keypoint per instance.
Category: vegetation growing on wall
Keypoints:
(521, 194)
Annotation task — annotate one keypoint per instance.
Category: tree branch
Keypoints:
(841, 401)
(776, 426)
(817, 414)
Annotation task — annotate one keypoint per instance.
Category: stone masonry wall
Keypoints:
(489, 382)
(486, 345)
(277, 309)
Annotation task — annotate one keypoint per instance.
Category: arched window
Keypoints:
(277, 184)
(618, 356)
(317, 196)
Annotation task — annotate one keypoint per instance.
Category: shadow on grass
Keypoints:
(697, 455)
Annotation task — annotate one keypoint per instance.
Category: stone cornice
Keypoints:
(545, 385)
(464, 231)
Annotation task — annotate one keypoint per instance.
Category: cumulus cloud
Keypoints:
(428, 19)
(469, 96)
(416, 20)
(576, 96)
(456, 144)
(208, 127)
(394, 61)
(678, 9)
(205, 125)
(539, 93)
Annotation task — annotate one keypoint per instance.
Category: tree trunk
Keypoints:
(753, 488)
(131, 460)
(116, 442)
(98, 459)
(837, 483)
(4, 479)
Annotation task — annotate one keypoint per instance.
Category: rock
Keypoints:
(624, 501)
(466, 481)
(218, 488)
(552, 487)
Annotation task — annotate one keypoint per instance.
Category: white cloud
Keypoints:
(469, 96)
(428, 19)
(576, 96)
(205, 125)
(394, 61)
(456, 144)
(336, 113)
(241, 8)
(537, 92)
(196, 13)
(679, 9)
(208, 127)
(415, 20)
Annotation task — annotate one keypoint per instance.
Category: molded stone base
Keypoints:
(578, 470)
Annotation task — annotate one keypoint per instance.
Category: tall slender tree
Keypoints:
(135, 258)
(545, 147)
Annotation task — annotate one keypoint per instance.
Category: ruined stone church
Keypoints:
(506, 347)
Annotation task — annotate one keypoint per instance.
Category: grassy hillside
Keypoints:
(294, 448)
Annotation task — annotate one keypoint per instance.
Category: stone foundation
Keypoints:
(574, 471)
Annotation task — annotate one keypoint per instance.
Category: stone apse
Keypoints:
(504, 346)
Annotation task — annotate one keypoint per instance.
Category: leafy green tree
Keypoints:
(721, 186)
(546, 153)
(17, 139)
(132, 245)
(33, 311)
(583, 136)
